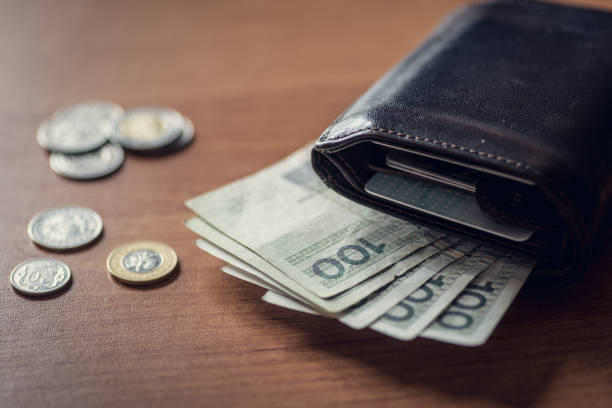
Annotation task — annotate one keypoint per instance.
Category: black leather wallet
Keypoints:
(507, 104)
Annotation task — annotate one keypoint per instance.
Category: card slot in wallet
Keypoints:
(517, 91)
(350, 176)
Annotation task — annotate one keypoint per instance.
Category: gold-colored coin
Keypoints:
(141, 262)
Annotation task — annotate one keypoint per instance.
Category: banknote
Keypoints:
(389, 326)
(248, 278)
(471, 318)
(244, 267)
(378, 303)
(241, 270)
(310, 234)
(278, 299)
(319, 253)
(274, 295)
(414, 313)
(250, 263)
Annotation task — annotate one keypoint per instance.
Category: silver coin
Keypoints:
(70, 136)
(105, 114)
(148, 128)
(85, 166)
(40, 276)
(186, 136)
(79, 128)
(65, 227)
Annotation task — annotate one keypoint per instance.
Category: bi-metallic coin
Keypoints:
(40, 276)
(91, 165)
(65, 227)
(79, 128)
(141, 262)
(148, 128)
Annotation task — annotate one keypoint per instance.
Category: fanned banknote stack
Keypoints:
(319, 253)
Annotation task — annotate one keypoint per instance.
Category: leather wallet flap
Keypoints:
(519, 88)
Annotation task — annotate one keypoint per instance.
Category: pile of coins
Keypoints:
(86, 140)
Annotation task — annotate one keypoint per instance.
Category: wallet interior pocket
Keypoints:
(508, 201)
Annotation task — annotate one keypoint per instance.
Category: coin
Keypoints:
(97, 163)
(105, 114)
(40, 276)
(65, 227)
(70, 136)
(141, 262)
(148, 128)
(186, 136)
(79, 128)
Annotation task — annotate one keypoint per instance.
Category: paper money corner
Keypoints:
(319, 253)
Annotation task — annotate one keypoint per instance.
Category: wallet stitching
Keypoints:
(480, 153)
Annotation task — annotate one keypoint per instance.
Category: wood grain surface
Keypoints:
(259, 80)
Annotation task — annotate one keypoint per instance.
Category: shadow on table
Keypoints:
(152, 286)
(545, 329)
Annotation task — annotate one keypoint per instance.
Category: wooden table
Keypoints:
(258, 79)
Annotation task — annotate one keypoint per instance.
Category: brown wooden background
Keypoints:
(259, 79)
